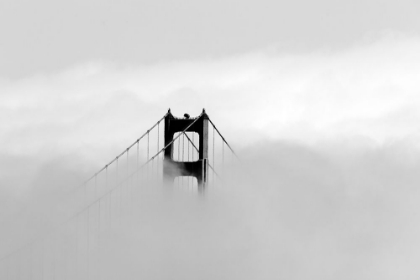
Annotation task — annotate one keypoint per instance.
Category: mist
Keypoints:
(326, 185)
(285, 211)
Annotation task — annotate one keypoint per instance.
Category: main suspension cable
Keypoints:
(129, 147)
(223, 138)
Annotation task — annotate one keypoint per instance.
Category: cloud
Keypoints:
(49, 36)
(369, 91)
(329, 148)
(291, 211)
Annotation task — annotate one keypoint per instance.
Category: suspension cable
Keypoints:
(129, 147)
(223, 138)
(189, 139)
(173, 140)
(118, 183)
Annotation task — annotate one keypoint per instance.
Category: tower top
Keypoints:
(203, 114)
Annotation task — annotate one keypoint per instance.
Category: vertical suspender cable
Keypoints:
(233, 158)
(128, 178)
(192, 159)
(179, 149)
(106, 187)
(88, 209)
(232, 165)
(52, 257)
(148, 154)
(192, 156)
(153, 168)
(98, 262)
(78, 249)
(15, 266)
(30, 261)
(213, 155)
(157, 169)
(87, 244)
(148, 144)
(6, 268)
(223, 155)
(85, 194)
(116, 192)
(42, 259)
(116, 174)
(137, 159)
(137, 164)
(106, 177)
(188, 159)
(183, 147)
(95, 185)
(137, 169)
(179, 157)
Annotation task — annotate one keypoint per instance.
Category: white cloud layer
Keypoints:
(331, 139)
(369, 91)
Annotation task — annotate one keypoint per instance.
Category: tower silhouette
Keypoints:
(174, 168)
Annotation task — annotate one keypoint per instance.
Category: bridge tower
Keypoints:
(174, 168)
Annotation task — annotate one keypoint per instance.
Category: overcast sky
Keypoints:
(49, 36)
(324, 95)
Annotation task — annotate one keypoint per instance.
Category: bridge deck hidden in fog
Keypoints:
(188, 153)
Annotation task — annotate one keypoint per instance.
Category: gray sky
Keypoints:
(48, 36)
